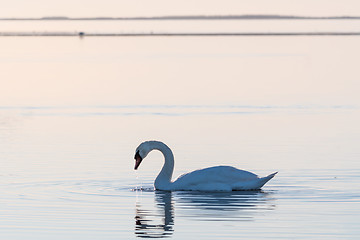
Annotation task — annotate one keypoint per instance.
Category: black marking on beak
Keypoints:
(138, 160)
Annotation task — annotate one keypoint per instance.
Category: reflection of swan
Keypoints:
(214, 206)
(223, 206)
(220, 178)
(145, 228)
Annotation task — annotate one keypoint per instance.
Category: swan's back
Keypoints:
(219, 178)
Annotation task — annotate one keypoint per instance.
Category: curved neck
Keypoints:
(163, 180)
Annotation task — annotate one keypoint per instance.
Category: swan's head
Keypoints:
(140, 153)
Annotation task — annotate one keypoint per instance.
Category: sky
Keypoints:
(118, 8)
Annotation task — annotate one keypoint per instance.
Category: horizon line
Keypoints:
(173, 34)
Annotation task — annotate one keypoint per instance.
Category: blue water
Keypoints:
(69, 175)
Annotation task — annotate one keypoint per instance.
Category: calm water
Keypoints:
(72, 112)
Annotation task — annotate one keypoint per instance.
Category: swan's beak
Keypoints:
(138, 160)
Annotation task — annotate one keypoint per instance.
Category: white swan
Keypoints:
(219, 178)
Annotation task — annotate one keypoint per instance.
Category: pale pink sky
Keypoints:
(79, 8)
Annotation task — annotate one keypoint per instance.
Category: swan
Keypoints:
(219, 178)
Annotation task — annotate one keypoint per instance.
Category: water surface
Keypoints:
(72, 112)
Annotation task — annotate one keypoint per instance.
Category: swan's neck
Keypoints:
(163, 180)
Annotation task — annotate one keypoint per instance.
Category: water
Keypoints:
(73, 111)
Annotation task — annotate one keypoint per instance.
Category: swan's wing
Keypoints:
(220, 176)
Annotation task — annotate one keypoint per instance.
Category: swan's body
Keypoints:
(219, 178)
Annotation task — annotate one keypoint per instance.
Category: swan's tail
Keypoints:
(271, 175)
(253, 184)
(266, 179)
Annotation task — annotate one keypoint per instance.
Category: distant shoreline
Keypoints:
(151, 34)
(184, 17)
